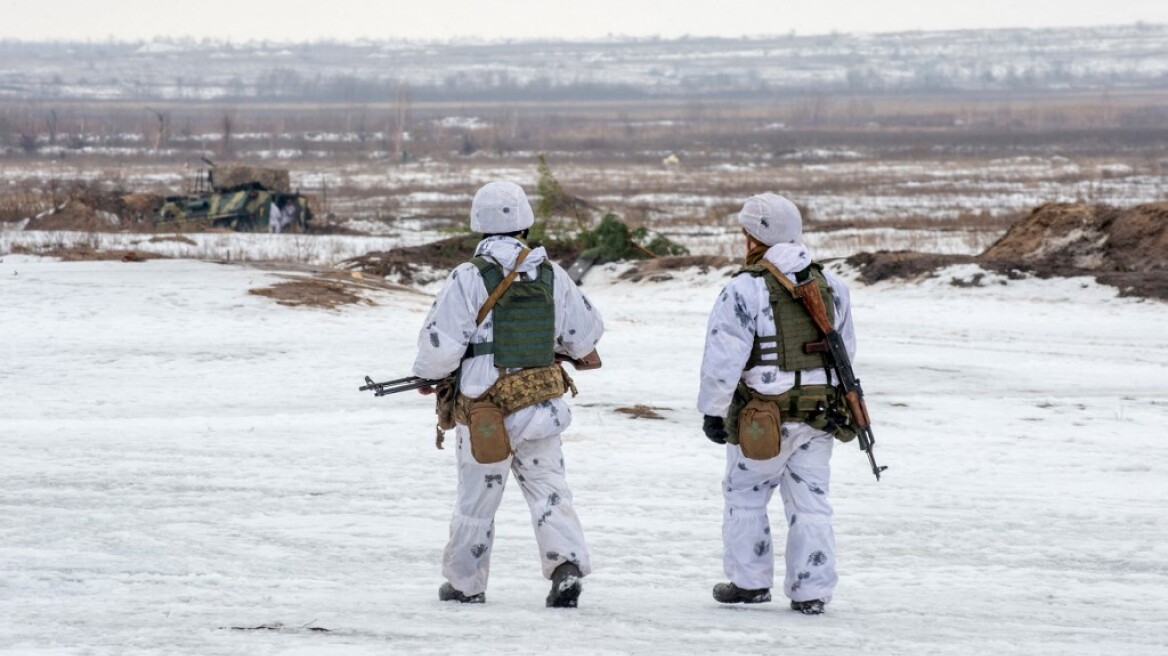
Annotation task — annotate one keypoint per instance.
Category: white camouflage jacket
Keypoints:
(743, 310)
(450, 327)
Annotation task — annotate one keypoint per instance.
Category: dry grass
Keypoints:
(911, 162)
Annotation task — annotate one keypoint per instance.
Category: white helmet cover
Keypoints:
(500, 207)
(771, 219)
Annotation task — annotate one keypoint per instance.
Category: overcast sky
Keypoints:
(301, 20)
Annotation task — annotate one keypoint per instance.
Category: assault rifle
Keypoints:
(590, 361)
(832, 346)
(396, 385)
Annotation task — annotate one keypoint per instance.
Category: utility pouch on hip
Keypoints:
(759, 429)
(445, 396)
(488, 435)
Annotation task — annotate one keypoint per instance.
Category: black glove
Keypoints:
(715, 429)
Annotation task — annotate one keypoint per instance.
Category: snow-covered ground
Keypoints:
(181, 457)
(219, 246)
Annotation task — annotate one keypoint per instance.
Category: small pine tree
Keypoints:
(551, 195)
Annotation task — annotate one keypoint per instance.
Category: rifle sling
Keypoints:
(502, 288)
(790, 287)
(782, 280)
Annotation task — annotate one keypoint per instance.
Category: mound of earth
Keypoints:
(1124, 248)
(1081, 237)
(92, 210)
(76, 215)
(657, 269)
(885, 265)
(404, 262)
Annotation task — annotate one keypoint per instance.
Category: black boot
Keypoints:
(728, 593)
(809, 607)
(448, 593)
(566, 586)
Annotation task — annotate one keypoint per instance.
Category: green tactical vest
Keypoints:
(524, 318)
(795, 327)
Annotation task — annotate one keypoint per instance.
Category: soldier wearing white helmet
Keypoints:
(500, 321)
(772, 403)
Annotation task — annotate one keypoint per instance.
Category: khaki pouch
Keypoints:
(759, 430)
(488, 434)
(445, 396)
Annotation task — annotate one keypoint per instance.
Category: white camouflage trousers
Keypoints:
(800, 472)
(538, 466)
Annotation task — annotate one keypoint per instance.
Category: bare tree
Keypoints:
(161, 136)
(51, 123)
(228, 125)
(401, 117)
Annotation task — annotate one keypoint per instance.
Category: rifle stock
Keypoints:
(808, 293)
(587, 362)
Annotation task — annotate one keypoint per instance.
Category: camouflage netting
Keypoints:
(228, 177)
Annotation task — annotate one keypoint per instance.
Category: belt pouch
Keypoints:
(759, 429)
(488, 435)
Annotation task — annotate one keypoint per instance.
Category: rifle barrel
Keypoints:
(396, 385)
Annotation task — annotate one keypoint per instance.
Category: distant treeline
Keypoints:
(973, 61)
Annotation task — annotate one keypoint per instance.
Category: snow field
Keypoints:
(181, 457)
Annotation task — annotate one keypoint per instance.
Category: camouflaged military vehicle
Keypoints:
(240, 198)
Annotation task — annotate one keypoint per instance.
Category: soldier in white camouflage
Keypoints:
(510, 410)
(767, 394)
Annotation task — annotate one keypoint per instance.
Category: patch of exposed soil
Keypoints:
(310, 292)
(1123, 248)
(324, 289)
(658, 269)
(641, 412)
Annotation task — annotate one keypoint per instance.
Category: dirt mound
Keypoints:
(93, 210)
(1138, 238)
(404, 262)
(139, 207)
(657, 269)
(885, 265)
(1066, 237)
(1124, 248)
(75, 215)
